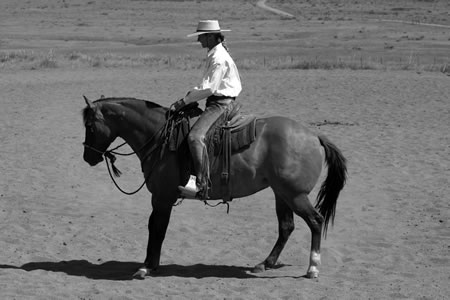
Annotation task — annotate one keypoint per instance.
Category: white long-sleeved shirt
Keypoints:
(221, 77)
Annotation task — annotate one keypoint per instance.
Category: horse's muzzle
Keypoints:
(92, 159)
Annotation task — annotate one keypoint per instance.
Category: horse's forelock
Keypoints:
(90, 113)
(85, 114)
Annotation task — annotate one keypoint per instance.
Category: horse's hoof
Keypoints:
(259, 268)
(312, 273)
(141, 273)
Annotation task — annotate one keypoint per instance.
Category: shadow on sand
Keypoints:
(117, 270)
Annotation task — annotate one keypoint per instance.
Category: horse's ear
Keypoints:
(88, 102)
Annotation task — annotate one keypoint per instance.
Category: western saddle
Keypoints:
(231, 133)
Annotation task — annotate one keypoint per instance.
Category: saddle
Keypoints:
(231, 133)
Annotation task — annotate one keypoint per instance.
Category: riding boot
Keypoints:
(201, 167)
(197, 185)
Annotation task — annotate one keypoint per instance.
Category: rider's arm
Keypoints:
(209, 85)
(196, 94)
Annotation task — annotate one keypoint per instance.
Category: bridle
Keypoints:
(110, 159)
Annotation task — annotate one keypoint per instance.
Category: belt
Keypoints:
(214, 98)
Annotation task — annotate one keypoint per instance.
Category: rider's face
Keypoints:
(203, 39)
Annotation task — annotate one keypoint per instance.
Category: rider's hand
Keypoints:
(178, 105)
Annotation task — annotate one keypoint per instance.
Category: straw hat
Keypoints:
(207, 26)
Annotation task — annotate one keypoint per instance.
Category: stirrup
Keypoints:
(191, 189)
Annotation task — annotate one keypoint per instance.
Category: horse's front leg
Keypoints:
(157, 228)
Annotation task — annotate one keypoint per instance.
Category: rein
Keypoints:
(109, 155)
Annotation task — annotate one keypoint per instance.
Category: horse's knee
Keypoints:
(157, 225)
(287, 228)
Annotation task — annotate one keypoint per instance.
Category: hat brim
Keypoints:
(204, 32)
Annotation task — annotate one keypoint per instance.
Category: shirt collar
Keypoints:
(215, 49)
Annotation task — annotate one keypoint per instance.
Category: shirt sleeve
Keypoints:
(209, 85)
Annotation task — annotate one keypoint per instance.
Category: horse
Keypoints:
(285, 156)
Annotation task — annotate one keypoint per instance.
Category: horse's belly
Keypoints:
(247, 175)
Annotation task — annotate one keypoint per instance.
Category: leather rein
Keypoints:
(110, 155)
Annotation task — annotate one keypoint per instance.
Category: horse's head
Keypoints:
(99, 133)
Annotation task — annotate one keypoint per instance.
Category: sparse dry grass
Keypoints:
(28, 59)
(31, 60)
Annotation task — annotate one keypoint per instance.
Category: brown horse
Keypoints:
(285, 156)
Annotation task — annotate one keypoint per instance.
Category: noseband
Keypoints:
(110, 155)
(94, 149)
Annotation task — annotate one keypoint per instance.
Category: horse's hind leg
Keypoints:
(303, 208)
(285, 227)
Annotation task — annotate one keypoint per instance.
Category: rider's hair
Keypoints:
(221, 38)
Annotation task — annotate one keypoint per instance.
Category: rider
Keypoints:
(220, 86)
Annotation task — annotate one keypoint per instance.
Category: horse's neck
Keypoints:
(138, 126)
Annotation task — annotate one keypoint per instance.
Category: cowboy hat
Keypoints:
(207, 26)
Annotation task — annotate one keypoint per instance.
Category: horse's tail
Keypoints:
(334, 182)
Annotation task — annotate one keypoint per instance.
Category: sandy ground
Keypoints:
(67, 233)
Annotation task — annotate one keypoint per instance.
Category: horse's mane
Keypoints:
(122, 100)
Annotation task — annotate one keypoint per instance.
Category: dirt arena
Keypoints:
(67, 233)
